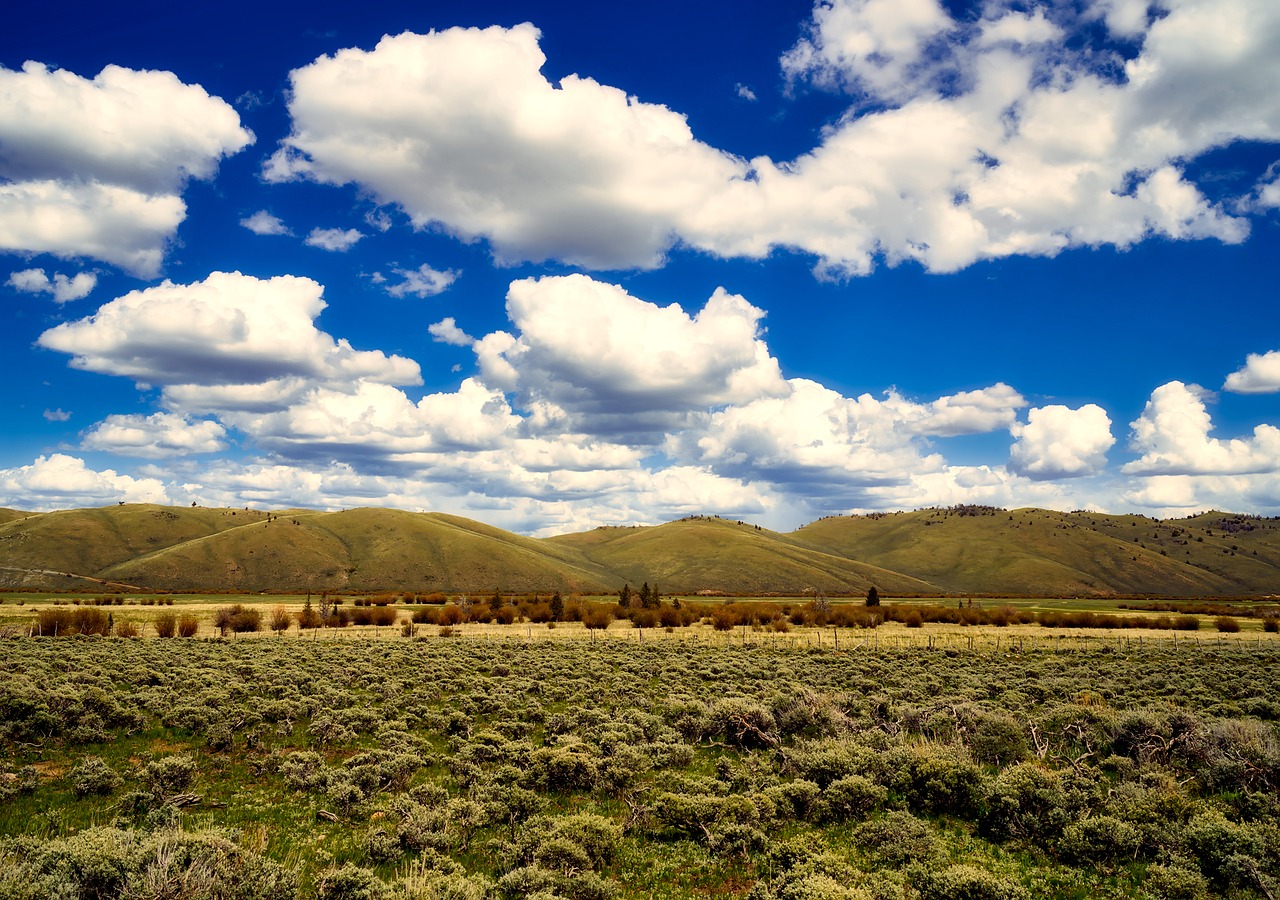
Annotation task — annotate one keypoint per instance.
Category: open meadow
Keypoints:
(600, 759)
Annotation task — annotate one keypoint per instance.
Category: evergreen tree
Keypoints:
(655, 599)
(557, 606)
(624, 599)
(644, 595)
(873, 596)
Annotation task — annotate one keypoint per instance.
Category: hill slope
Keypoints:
(708, 553)
(977, 550)
(1042, 553)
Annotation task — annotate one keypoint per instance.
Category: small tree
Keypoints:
(557, 607)
(624, 599)
(655, 599)
(873, 596)
(280, 620)
(308, 618)
(646, 597)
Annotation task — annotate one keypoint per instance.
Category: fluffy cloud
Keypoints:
(336, 240)
(95, 168)
(446, 331)
(812, 440)
(1016, 136)
(60, 287)
(831, 453)
(460, 127)
(1184, 495)
(1172, 434)
(56, 415)
(158, 436)
(1060, 442)
(969, 412)
(229, 335)
(262, 222)
(606, 361)
(379, 421)
(877, 47)
(423, 281)
(1260, 375)
(58, 481)
(115, 224)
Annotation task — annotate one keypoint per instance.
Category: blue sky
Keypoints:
(553, 266)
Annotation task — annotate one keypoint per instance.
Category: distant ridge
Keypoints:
(961, 550)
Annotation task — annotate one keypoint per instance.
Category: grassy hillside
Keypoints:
(8, 515)
(89, 541)
(707, 553)
(1026, 552)
(363, 549)
(1042, 553)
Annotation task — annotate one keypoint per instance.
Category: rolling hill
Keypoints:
(963, 550)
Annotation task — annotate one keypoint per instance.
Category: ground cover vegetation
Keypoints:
(508, 768)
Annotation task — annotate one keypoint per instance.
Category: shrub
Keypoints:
(128, 630)
(1186, 623)
(1271, 624)
(853, 797)
(967, 883)
(93, 776)
(935, 779)
(238, 619)
(1175, 882)
(113, 862)
(188, 626)
(597, 617)
(350, 882)
(896, 840)
(1101, 840)
(1226, 624)
(165, 624)
(1228, 853)
(1027, 801)
(168, 775)
(999, 740)
(913, 619)
(743, 723)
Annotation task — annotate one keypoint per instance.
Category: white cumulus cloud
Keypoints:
(96, 167)
(460, 127)
(60, 287)
(1172, 434)
(423, 281)
(59, 481)
(1259, 375)
(1003, 134)
(158, 436)
(263, 222)
(337, 240)
(608, 361)
(1060, 442)
(446, 331)
(230, 336)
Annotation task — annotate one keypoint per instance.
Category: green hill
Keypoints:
(965, 550)
(709, 553)
(1036, 552)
